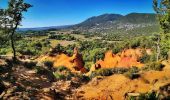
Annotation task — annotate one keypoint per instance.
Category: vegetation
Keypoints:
(154, 66)
(93, 37)
(11, 18)
(163, 14)
(108, 72)
(30, 64)
(146, 96)
(132, 73)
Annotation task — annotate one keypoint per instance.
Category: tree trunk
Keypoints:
(158, 49)
(12, 41)
(13, 47)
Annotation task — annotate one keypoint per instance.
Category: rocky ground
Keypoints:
(18, 82)
(119, 87)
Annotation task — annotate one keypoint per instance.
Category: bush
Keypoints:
(39, 70)
(83, 78)
(3, 51)
(132, 73)
(45, 72)
(149, 96)
(107, 72)
(38, 46)
(62, 73)
(154, 66)
(26, 52)
(48, 64)
(30, 64)
(98, 56)
(145, 96)
(62, 68)
(59, 76)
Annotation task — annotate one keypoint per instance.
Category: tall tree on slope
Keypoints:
(162, 8)
(11, 18)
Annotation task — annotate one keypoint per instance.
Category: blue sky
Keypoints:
(66, 12)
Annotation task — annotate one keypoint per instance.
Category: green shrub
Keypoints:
(62, 73)
(39, 70)
(101, 72)
(59, 76)
(145, 96)
(4, 51)
(62, 68)
(26, 52)
(48, 64)
(107, 72)
(132, 73)
(83, 78)
(154, 66)
(149, 96)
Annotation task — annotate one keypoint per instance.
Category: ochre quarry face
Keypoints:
(74, 63)
(126, 59)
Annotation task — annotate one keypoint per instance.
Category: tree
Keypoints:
(11, 18)
(162, 8)
(156, 39)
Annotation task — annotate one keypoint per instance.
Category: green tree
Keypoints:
(11, 18)
(162, 8)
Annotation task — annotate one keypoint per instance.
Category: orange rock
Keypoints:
(128, 58)
(74, 63)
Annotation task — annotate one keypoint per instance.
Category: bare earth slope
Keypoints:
(117, 87)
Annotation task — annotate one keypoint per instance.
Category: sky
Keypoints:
(67, 12)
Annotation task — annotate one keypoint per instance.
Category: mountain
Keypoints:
(116, 23)
(139, 18)
(90, 22)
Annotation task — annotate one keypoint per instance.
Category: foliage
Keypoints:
(163, 13)
(108, 72)
(148, 96)
(62, 73)
(48, 64)
(154, 66)
(132, 73)
(43, 71)
(98, 56)
(11, 18)
(67, 37)
(145, 58)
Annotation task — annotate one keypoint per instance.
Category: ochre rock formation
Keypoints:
(74, 63)
(118, 87)
(126, 59)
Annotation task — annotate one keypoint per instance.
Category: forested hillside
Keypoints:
(119, 24)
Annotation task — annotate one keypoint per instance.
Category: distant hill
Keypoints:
(90, 22)
(139, 18)
(116, 23)
(43, 28)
